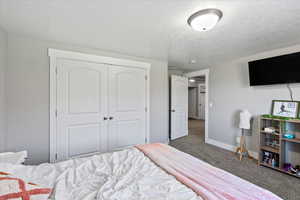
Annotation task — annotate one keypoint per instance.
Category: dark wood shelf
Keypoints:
(279, 169)
(270, 149)
(270, 166)
(274, 133)
(282, 120)
(295, 140)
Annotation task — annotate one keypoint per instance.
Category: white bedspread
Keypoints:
(122, 175)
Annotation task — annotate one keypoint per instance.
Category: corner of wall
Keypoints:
(229, 147)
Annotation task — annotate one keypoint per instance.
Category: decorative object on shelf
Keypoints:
(289, 135)
(298, 170)
(282, 108)
(269, 129)
(287, 166)
(271, 159)
(293, 170)
(272, 142)
(266, 157)
(245, 118)
(274, 162)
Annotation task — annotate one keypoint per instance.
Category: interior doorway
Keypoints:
(204, 88)
(196, 107)
(192, 96)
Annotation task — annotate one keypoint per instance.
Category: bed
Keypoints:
(145, 172)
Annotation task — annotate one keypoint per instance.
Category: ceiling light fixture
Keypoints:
(193, 61)
(192, 80)
(205, 20)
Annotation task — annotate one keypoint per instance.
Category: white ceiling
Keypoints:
(157, 28)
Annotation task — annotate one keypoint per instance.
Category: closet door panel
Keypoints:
(89, 143)
(82, 106)
(84, 92)
(127, 103)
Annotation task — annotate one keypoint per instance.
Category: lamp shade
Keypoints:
(205, 20)
(245, 118)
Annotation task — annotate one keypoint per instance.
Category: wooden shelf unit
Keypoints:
(270, 149)
(280, 150)
(279, 169)
(296, 140)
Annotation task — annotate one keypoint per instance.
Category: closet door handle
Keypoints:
(110, 118)
(104, 118)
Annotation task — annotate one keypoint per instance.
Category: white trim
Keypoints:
(228, 147)
(52, 110)
(204, 72)
(167, 142)
(148, 105)
(55, 54)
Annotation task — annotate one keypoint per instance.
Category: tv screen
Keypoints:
(276, 70)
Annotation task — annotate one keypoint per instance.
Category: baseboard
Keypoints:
(228, 147)
(167, 142)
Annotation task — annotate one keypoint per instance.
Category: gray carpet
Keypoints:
(285, 186)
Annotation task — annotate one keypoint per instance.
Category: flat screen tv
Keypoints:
(276, 70)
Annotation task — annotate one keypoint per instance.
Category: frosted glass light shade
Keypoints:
(205, 20)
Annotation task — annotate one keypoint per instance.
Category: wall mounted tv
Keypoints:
(276, 70)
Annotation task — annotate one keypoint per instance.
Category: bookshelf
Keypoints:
(276, 150)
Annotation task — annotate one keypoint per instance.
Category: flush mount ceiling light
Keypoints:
(193, 61)
(205, 20)
(192, 80)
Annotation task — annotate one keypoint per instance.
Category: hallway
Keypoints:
(195, 137)
(196, 127)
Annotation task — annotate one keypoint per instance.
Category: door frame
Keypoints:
(56, 54)
(204, 72)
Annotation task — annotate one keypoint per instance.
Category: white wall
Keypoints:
(3, 65)
(229, 91)
(175, 72)
(28, 95)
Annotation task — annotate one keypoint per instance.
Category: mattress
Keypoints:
(122, 175)
(144, 172)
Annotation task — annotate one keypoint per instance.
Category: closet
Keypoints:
(100, 104)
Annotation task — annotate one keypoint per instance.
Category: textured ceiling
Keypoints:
(158, 28)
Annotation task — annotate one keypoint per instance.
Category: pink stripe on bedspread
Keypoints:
(207, 181)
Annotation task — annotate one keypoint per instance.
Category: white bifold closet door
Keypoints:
(127, 104)
(99, 108)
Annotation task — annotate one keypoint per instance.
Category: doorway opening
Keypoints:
(189, 108)
(196, 107)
